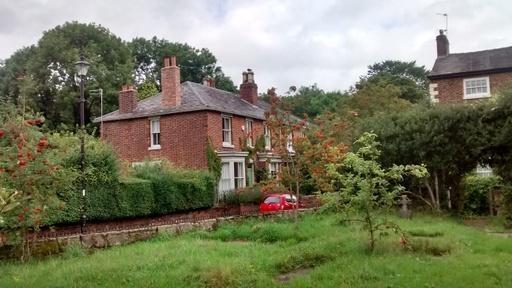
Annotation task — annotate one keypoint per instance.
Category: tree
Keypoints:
(449, 140)
(407, 76)
(310, 101)
(195, 64)
(30, 175)
(368, 189)
(147, 89)
(286, 132)
(43, 75)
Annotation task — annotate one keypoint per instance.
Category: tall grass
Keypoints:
(244, 255)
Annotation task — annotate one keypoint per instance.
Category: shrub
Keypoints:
(250, 194)
(476, 193)
(176, 189)
(135, 198)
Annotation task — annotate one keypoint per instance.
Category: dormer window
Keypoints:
(475, 88)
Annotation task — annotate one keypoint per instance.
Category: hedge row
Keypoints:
(134, 197)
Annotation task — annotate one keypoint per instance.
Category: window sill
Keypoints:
(228, 145)
(476, 96)
(157, 147)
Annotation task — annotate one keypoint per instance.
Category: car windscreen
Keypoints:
(272, 200)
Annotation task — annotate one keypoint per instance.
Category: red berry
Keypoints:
(2, 133)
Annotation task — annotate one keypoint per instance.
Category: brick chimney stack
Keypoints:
(208, 81)
(249, 89)
(171, 88)
(127, 99)
(443, 46)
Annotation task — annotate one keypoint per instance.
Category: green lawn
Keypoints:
(254, 253)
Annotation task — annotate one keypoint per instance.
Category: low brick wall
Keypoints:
(45, 246)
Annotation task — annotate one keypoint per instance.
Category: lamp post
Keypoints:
(81, 70)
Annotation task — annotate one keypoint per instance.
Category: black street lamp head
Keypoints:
(82, 66)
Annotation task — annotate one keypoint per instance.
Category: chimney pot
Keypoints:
(249, 89)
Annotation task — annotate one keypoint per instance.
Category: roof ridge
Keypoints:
(479, 51)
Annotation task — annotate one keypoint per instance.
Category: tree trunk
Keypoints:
(431, 194)
(436, 187)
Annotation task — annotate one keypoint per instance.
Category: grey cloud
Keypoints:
(286, 42)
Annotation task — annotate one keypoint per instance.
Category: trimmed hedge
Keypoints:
(178, 190)
(135, 198)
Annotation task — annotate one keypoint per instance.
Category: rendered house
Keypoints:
(462, 77)
(177, 123)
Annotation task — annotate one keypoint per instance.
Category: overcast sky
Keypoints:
(285, 42)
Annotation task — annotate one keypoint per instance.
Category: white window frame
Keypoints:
(477, 95)
(273, 170)
(153, 145)
(266, 135)
(248, 131)
(229, 182)
(228, 130)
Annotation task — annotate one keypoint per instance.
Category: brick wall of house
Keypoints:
(451, 90)
(237, 122)
(182, 139)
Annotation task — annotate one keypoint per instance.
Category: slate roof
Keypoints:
(195, 97)
(469, 63)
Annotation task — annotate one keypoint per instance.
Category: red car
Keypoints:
(278, 202)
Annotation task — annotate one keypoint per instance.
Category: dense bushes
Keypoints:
(161, 190)
(476, 193)
(177, 190)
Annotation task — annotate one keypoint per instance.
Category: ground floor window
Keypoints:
(273, 170)
(232, 175)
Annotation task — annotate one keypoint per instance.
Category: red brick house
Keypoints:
(176, 124)
(462, 77)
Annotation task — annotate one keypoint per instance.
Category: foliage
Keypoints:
(311, 101)
(213, 161)
(177, 190)
(42, 76)
(410, 79)
(147, 89)
(476, 193)
(195, 64)
(367, 188)
(30, 172)
(250, 194)
(449, 140)
(135, 198)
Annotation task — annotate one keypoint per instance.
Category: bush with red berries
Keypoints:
(30, 173)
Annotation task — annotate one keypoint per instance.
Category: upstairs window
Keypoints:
(226, 131)
(266, 135)
(155, 133)
(248, 132)
(476, 88)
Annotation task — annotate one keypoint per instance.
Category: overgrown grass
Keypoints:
(254, 253)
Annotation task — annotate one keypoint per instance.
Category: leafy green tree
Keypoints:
(42, 76)
(407, 76)
(449, 140)
(147, 89)
(195, 64)
(368, 189)
(310, 101)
